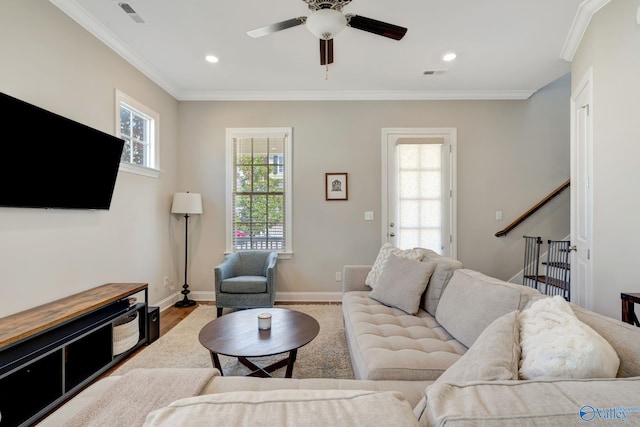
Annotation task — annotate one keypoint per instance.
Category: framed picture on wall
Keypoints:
(336, 186)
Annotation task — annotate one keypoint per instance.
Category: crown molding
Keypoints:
(79, 15)
(356, 95)
(579, 26)
(72, 9)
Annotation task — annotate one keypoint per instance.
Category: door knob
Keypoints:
(392, 234)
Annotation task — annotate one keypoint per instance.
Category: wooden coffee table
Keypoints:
(237, 335)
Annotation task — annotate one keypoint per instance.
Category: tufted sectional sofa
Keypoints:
(388, 343)
(459, 305)
(453, 363)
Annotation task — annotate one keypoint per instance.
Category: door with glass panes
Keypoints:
(418, 188)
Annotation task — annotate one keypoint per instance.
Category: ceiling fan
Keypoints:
(326, 21)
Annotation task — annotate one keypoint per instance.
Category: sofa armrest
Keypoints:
(533, 402)
(353, 277)
(226, 268)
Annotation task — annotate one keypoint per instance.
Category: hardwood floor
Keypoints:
(168, 319)
(173, 315)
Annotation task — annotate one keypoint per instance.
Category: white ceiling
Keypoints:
(507, 49)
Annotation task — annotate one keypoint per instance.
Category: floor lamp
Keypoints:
(187, 204)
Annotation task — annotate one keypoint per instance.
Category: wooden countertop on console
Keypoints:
(18, 326)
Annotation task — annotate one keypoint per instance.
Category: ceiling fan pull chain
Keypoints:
(326, 72)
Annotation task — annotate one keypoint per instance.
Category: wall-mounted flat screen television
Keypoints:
(49, 161)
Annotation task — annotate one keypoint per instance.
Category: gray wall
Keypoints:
(50, 61)
(611, 46)
(510, 155)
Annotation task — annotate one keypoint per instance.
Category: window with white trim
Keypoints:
(137, 125)
(259, 189)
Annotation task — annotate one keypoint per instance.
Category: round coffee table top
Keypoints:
(236, 334)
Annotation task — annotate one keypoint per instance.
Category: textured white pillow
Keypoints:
(556, 344)
(385, 251)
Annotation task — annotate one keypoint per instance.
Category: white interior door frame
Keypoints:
(389, 138)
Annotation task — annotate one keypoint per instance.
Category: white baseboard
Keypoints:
(203, 295)
(300, 297)
(166, 302)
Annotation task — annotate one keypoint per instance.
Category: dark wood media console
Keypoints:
(50, 352)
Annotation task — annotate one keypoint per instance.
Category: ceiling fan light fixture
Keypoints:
(326, 23)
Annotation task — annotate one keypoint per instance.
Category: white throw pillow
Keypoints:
(556, 344)
(385, 251)
(402, 283)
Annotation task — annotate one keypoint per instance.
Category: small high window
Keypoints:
(137, 125)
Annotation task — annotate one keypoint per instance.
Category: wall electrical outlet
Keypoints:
(338, 276)
(166, 281)
(368, 216)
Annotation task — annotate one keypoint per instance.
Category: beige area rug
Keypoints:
(326, 356)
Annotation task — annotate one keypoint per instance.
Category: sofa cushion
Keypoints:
(244, 285)
(439, 279)
(383, 254)
(386, 343)
(555, 344)
(402, 282)
(472, 300)
(288, 408)
(413, 391)
(494, 356)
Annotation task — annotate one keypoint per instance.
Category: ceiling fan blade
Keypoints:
(376, 27)
(326, 51)
(278, 26)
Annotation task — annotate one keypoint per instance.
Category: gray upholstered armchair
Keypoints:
(246, 279)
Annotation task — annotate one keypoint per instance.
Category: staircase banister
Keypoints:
(531, 211)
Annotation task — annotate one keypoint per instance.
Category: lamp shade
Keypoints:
(187, 203)
(326, 23)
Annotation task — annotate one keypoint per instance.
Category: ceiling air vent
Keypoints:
(131, 12)
(434, 72)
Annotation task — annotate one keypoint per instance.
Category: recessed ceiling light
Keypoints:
(211, 58)
(449, 56)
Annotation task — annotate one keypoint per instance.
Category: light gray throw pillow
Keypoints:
(402, 282)
(494, 356)
(445, 267)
